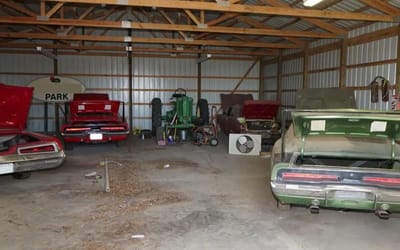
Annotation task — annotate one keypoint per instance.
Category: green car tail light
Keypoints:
(387, 181)
(293, 176)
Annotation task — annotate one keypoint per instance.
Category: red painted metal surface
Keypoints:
(15, 102)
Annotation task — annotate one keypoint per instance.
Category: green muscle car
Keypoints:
(339, 158)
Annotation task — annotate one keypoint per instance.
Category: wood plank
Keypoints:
(383, 7)
(317, 22)
(123, 39)
(165, 27)
(240, 8)
(56, 7)
(192, 17)
(18, 7)
(121, 48)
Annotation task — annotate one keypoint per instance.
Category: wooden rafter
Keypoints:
(383, 7)
(240, 8)
(165, 15)
(166, 27)
(317, 22)
(257, 24)
(249, 27)
(54, 9)
(124, 39)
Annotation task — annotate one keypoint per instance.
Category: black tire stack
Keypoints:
(155, 115)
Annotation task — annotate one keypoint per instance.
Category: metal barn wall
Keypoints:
(270, 81)
(19, 69)
(324, 70)
(368, 60)
(364, 62)
(292, 80)
(152, 77)
(160, 77)
(222, 76)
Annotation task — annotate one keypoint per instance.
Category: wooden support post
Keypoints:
(343, 63)
(199, 79)
(56, 105)
(279, 78)
(130, 81)
(305, 67)
(261, 86)
(397, 86)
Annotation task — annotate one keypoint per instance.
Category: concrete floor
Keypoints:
(205, 199)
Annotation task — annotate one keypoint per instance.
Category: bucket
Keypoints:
(183, 134)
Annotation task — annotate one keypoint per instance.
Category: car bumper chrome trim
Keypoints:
(327, 193)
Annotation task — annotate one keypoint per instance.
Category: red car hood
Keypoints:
(260, 109)
(15, 102)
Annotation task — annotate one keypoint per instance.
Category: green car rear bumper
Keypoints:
(338, 196)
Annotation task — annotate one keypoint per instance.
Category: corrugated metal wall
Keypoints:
(324, 70)
(364, 62)
(221, 76)
(292, 79)
(17, 69)
(270, 81)
(152, 77)
(368, 60)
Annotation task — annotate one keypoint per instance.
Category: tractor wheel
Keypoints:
(213, 142)
(155, 115)
(159, 134)
(202, 111)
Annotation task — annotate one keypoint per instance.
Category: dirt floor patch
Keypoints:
(171, 163)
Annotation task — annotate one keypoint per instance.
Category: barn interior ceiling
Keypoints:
(173, 27)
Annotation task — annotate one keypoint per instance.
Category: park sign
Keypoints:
(56, 89)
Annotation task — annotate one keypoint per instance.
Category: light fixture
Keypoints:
(46, 53)
(310, 3)
(203, 58)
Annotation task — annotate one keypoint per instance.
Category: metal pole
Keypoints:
(107, 188)
(283, 131)
(130, 82)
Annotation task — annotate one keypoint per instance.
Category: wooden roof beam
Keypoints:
(241, 8)
(316, 22)
(384, 7)
(172, 22)
(53, 10)
(268, 52)
(257, 24)
(124, 39)
(18, 7)
(192, 17)
(84, 14)
(166, 27)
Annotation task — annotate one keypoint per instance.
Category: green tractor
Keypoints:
(178, 123)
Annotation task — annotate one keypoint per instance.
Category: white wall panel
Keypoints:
(370, 28)
(221, 76)
(292, 66)
(160, 77)
(363, 99)
(356, 77)
(271, 70)
(271, 83)
(288, 99)
(322, 42)
(34, 63)
(329, 59)
(18, 69)
(374, 51)
(292, 82)
(326, 79)
(270, 73)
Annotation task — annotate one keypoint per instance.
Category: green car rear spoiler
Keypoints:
(344, 122)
